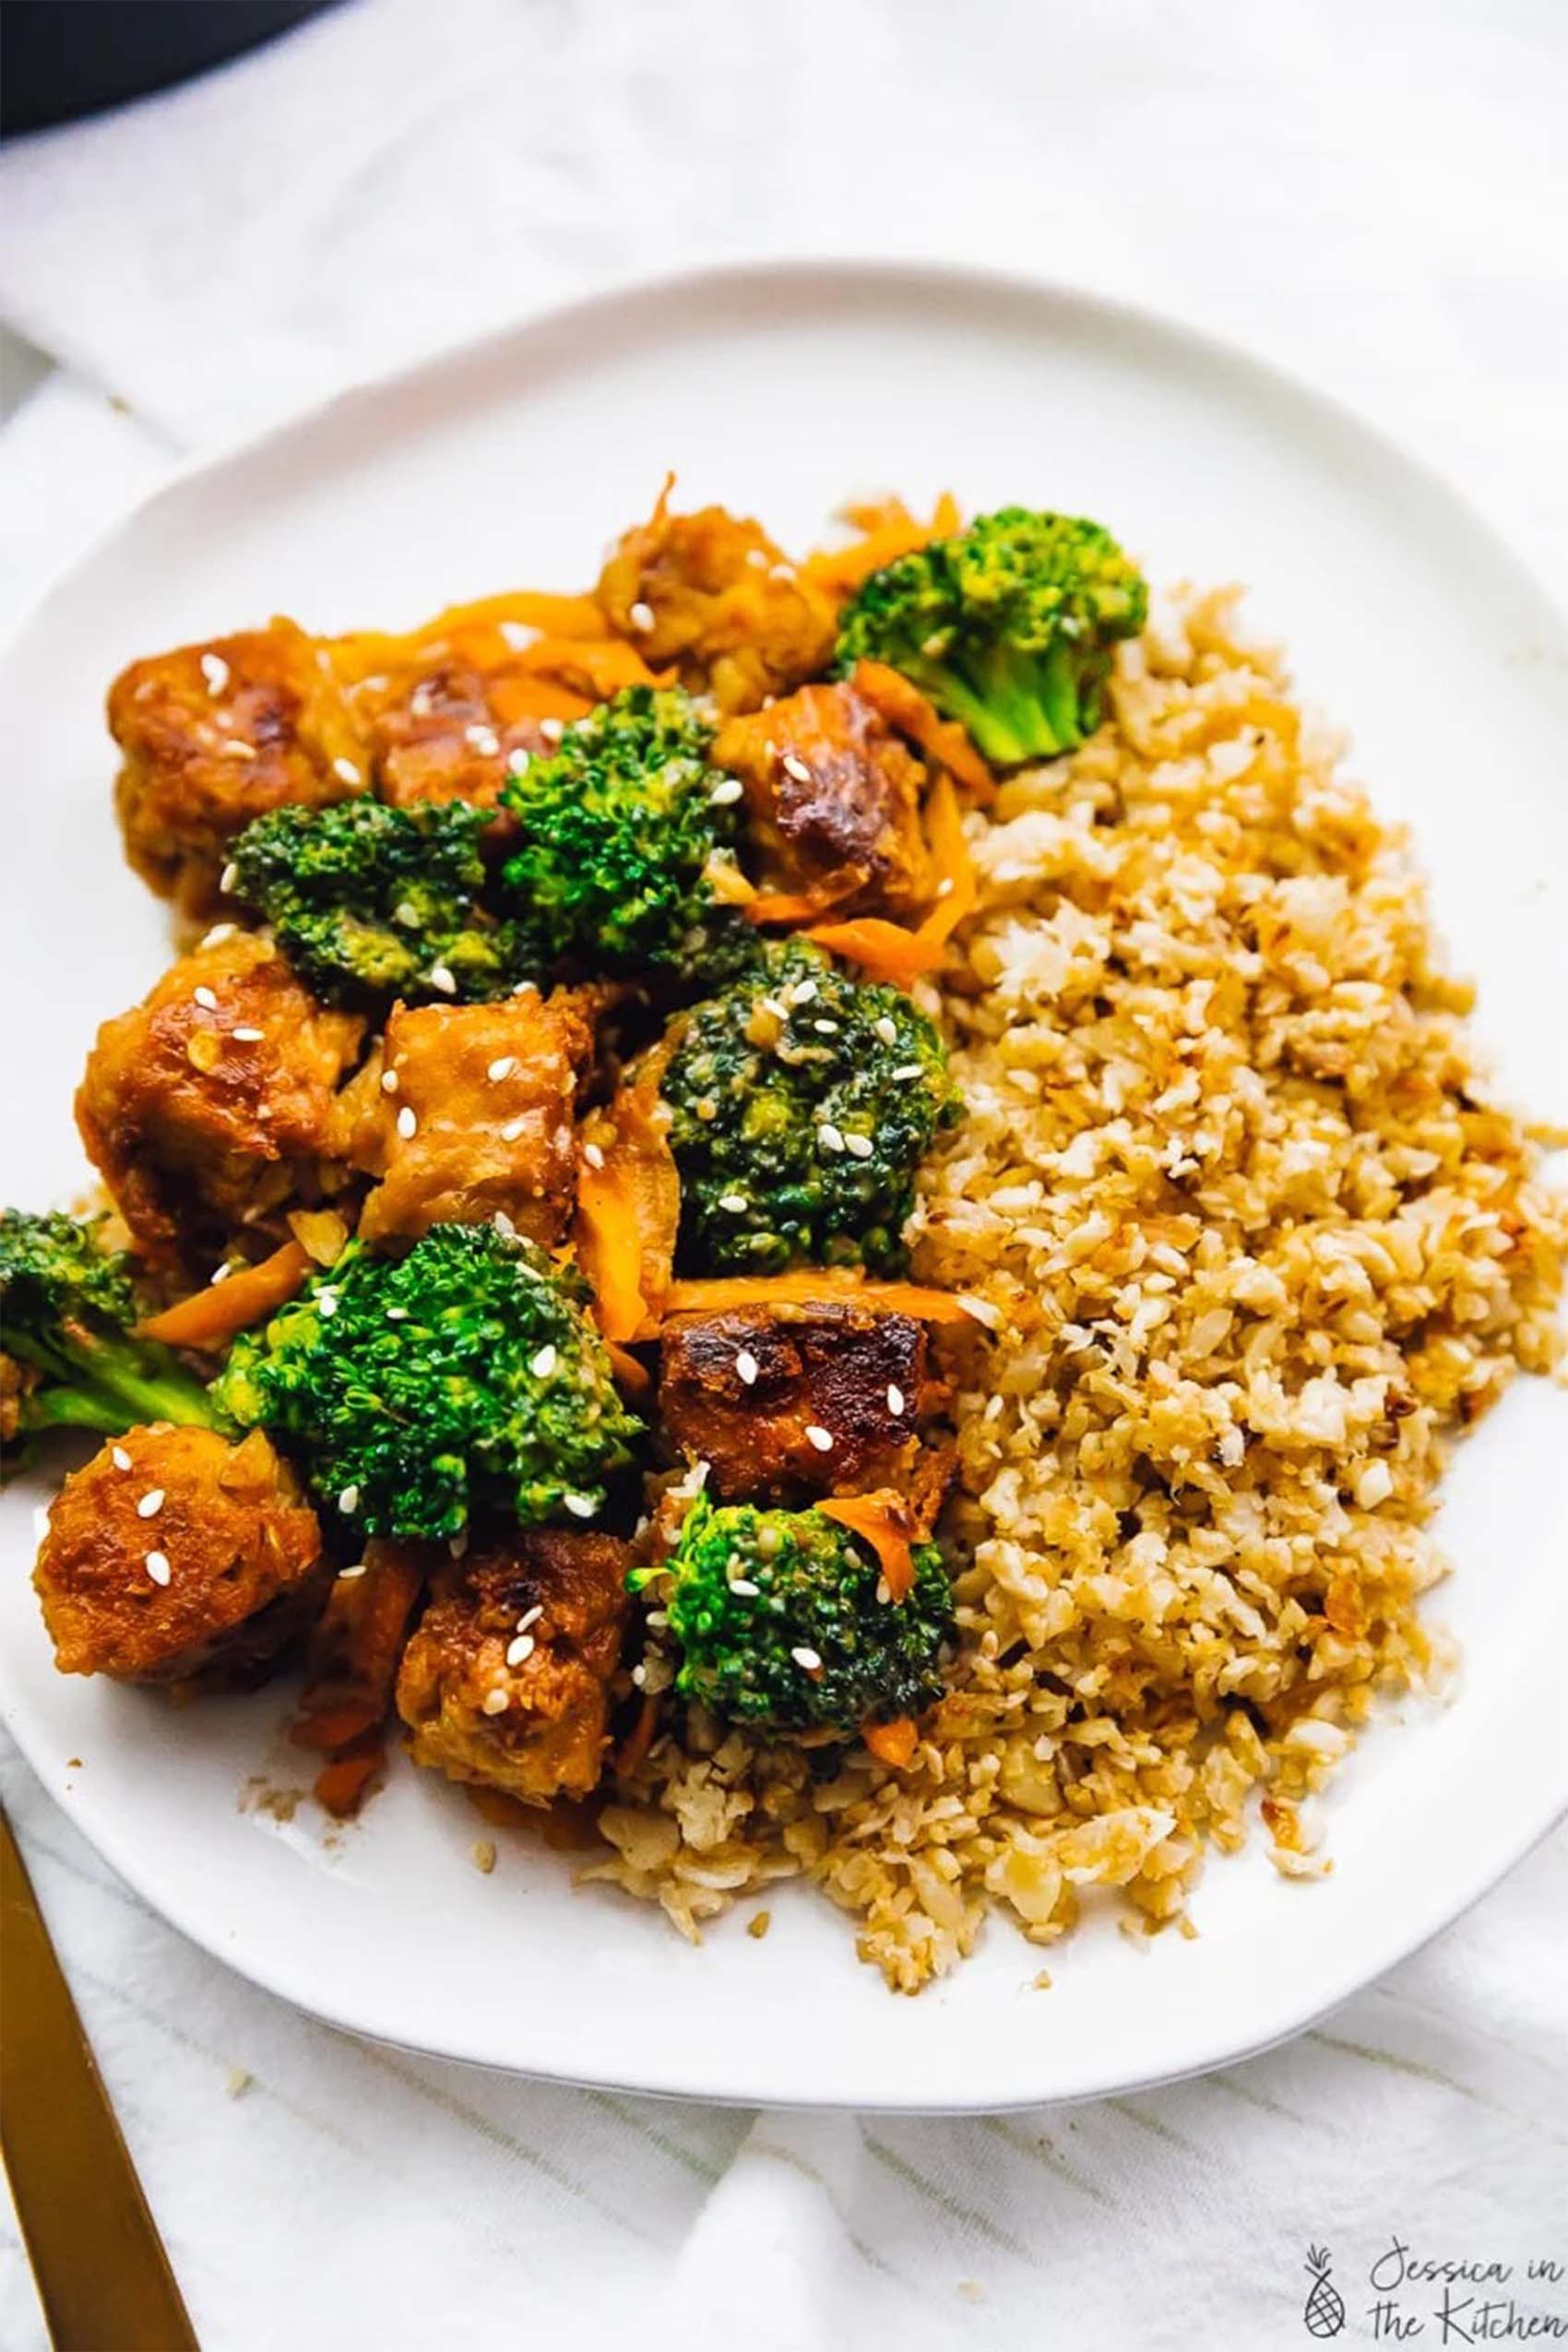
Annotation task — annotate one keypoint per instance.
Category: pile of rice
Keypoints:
(1253, 1248)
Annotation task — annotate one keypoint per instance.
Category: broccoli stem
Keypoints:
(111, 1384)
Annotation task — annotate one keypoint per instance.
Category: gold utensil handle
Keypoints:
(103, 2277)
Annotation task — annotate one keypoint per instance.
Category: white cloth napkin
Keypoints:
(1375, 196)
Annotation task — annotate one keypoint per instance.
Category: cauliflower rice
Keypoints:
(1253, 1248)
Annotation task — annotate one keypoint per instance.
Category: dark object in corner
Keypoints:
(57, 62)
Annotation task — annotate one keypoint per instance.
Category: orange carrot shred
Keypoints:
(342, 1785)
(629, 1211)
(814, 1287)
(904, 706)
(634, 1748)
(893, 1743)
(889, 950)
(209, 1318)
(883, 1523)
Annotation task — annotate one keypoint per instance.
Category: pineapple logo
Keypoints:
(1324, 2312)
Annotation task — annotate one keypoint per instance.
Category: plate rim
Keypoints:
(833, 277)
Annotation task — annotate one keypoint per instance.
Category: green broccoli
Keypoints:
(370, 902)
(779, 1621)
(68, 1308)
(420, 1390)
(801, 1103)
(1007, 627)
(620, 829)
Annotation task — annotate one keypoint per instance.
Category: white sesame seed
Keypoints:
(406, 913)
(530, 1616)
(884, 1591)
(236, 750)
(828, 1138)
(543, 1364)
(408, 1125)
(205, 998)
(345, 771)
(886, 1028)
(220, 1274)
(859, 1147)
(151, 1503)
(736, 1203)
(794, 765)
(457, 1545)
(482, 739)
(518, 760)
(120, 1459)
(552, 730)
(825, 1029)
(349, 1501)
(726, 793)
(640, 615)
(895, 1400)
(496, 1701)
(347, 1576)
(639, 1676)
(247, 1036)
(504, 1225)
(819, 1437)
(327, 1302)
(581, 1506)
(227, 881)
(442, 978)
(807, 1660)
(397, 1314)
(158, 1568)
(513, 1128)
(502, 1067)
(802, 991)
(520, 1649)
(906, 1070)
(744, 1587)
(389, 1082)
(593, 1155)
(215, 670)
(746, 1365)
(219, 934)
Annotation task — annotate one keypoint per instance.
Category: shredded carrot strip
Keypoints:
(331, 1728)
(342, 1785)
(629, 1211)
(602, 666)
(888, 531)
(883, 1522)
(630, 1375)
(355, 1650)
(513, 697)
(212, 1317)
(634, 1748)
(893, 1743)
(555, 616)
(814, 1287)
(804, 906)
(904, 706)
(888, 949)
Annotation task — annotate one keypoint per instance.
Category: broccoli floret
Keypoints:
(370, 902)
(620, 827)
(67, 1307)
(1007, 627)
(420, 1392)
(779, 1623)
(801, 1103)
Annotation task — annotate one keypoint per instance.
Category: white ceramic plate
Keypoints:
(781, 390)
